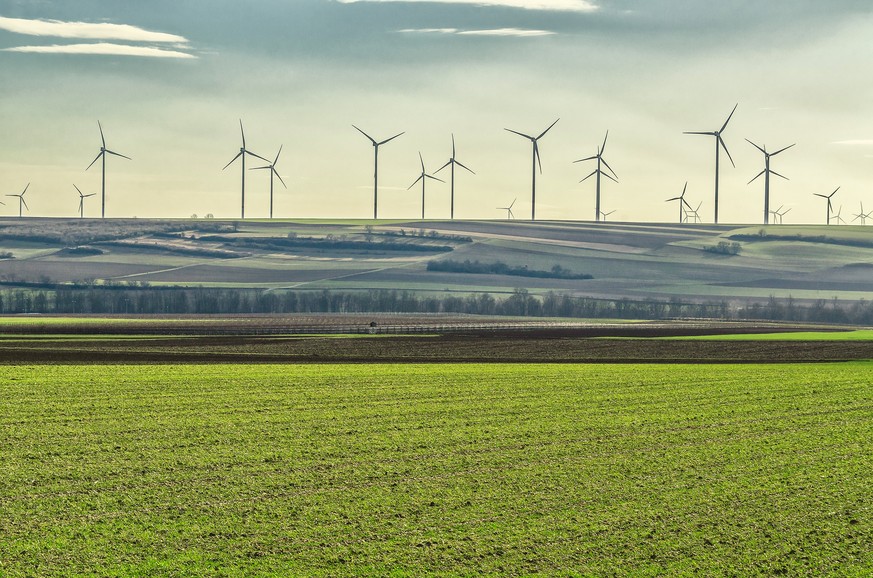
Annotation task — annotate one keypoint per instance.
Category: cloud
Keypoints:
(549, 5)
(85, 30)
(506, 32)
(858, 142)
(517, 32)
(102, 48)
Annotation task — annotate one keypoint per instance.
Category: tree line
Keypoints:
(144, 300)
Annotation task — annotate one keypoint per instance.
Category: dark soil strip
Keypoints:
(499, 348)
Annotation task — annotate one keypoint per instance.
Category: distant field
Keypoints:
(859, 335)
(452, 470)
(633, 260)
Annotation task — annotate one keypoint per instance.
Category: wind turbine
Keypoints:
(82, 198)
(862, 215)
(693, 213)
(21, 200)
(272, 168)
(767, 172)
(243, 151)
(719, 143)
(604, 215)
(781, 213)
(452, 161)
(376, 145)
(830, 206)
(838, 217)
(682, 203)
(423, 178)
(536, 160)
(599, 172)
(508, 210)
(103, 152)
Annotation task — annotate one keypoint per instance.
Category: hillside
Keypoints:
(624, 260)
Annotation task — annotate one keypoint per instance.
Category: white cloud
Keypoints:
(507, 32)
(102, 48)
(550, 5)
(518, 32)
(85, 30)
(859, 142)
(429, 30)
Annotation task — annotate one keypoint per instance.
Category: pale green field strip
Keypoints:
(858, 335)
(444, 470)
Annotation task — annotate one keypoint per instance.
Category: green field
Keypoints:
(857, 335)
(446, 469)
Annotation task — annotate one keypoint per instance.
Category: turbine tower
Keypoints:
(536, 160)
(423, 177)
(21, 201)
(82, 198)
(719, 143)
(830, 206)
(453, 161)
(103, 152)
(376, 145)
(508, 210)
(599, 172)
(682, 203)
(272, 168)
(767, 172)
(243, 151)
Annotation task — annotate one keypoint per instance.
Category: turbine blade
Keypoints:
(365, 134)
(453, 145)
(820, 195)
(102, 139)
(536, 152)
(275, 172)
(606, 164)
(724, 126)
(277, 155)
(238, 155)
(589, 176)
(23, 202)
(542, 134)
(25, 189)
(464, 167)
(78, 189)
(586, 159)
(710, 133)
(91, 195)
(673, 199)
(118, 155)
(243, 133)
(834, 193)
(757, 147)
(519, 133)
(422, 162)
(603, 147)
(100, 154)
(782, 150)
(512, 203)
(246, 151)
(434, 178)
(260, 168)
(448, 162)
(387, 140)
(685, 188)
(415, 182)
(756, 177)
(724, 146)
(608, 176)
(781, 176)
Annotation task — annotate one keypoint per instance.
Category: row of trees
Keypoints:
(133, 300)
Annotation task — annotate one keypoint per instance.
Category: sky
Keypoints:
(170, 82)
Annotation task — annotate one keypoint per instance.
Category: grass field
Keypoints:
(451, 470)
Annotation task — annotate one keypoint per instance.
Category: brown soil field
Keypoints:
(408, 339)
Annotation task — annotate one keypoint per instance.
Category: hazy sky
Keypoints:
(169, 81)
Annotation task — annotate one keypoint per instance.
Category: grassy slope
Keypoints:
(447, 470)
